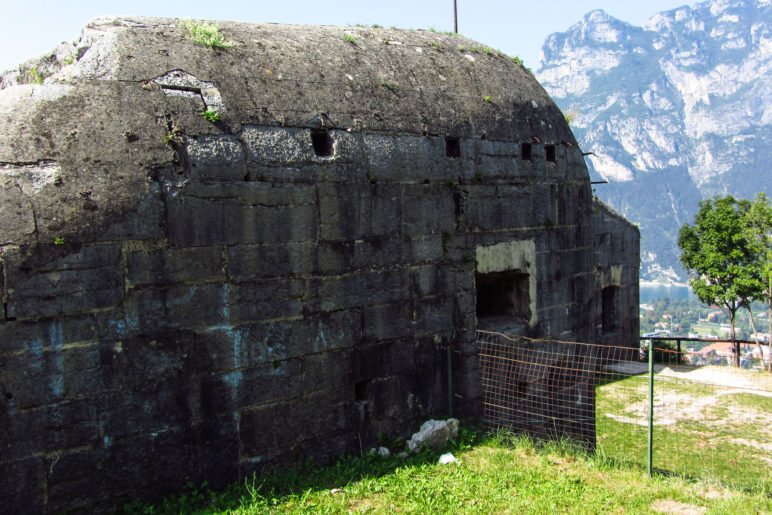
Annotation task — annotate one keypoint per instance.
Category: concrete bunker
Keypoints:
(189, 298)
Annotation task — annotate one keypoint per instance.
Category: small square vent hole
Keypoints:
(452, 146)
(550, 153)
(322, 142)
(526, 150)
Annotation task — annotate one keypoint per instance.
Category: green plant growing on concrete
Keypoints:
(435, 45)
(206, 34)
(518, 60)
(68, 61)
(174, 136)
(488, 99)
(349, 38)
(370, 178)
(212, 116)
(58, 240)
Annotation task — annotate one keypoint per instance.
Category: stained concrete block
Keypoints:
(388, 321)
(267, 429)
(176, 265)
(216, 158)
(326, 370)
(253, 262)
(429, 210)
(350, 211)
(359, 289)
(264, 300)
(23, 485)
(434, 315)
(293, 146)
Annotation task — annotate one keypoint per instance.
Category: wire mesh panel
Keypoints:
(550, 389)
(544, 388)
(712, 419)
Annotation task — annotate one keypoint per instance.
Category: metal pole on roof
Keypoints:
(455, 17)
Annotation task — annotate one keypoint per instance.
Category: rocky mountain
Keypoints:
(675, 111)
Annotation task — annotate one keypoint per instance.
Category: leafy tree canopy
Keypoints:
(721, 255)
(724, 257)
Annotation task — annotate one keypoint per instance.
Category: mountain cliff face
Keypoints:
(675, 111)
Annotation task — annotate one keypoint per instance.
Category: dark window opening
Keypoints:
(322, 142)
(362, 391)
(525, 151)
(609, 307)
(503, 295)
(550, 153)
(452, 146)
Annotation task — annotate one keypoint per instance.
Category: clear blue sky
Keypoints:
(32, 27)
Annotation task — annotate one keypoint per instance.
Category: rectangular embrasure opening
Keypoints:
(322, 142)
(609, 307)
(526, 150)
(504, 295)
(550, 153)
(452, 146)
(362, 391)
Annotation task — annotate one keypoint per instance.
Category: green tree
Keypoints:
(759, 228)
(722, 257)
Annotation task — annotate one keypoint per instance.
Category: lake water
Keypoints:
(652, 292)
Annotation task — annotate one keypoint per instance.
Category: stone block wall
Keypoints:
(617, 260)
(265, 304)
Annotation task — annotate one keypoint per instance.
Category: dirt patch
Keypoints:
(682, 508)
(671, 406)
(743, 381)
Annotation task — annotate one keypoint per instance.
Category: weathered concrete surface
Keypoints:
(188, 301)
(617, 258)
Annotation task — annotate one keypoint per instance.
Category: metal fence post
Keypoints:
(651, 404)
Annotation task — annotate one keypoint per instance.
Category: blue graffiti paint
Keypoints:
(183, 299)
(226, 292)
(55, 342)
(124, 327)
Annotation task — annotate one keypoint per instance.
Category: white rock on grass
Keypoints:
(381, 451)
(448, 458)
(433, 434)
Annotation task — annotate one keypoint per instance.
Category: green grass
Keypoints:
(206, 34)
(498, 473)
(700, 430)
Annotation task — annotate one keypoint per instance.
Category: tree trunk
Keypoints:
(735, 345)
(756, 337)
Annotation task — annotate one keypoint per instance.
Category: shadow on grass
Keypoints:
(276, 487)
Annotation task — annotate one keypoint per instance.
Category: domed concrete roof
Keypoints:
(85, 128)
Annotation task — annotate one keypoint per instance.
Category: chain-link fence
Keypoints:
(708, 420)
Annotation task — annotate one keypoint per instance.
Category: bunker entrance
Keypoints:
(503, 299)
